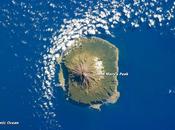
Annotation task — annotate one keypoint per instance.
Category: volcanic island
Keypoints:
(88, 72)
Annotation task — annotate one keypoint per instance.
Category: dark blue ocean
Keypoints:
(147, 100)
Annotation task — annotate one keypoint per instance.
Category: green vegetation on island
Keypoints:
(91, 66)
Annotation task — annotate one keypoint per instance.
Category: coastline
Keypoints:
(99, 66)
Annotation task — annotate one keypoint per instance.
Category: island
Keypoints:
(88, 72)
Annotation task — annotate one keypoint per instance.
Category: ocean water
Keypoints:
(145, 102)
(147, 93)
